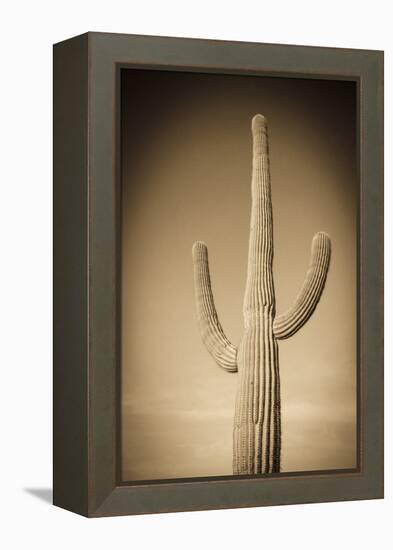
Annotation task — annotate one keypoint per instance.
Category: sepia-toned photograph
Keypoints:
(238, 275)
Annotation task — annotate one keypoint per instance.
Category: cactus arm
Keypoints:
(218, 345)
(291, 321)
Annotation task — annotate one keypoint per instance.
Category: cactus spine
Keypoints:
(257, 421)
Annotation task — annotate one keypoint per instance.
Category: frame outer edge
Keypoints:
(70, 261)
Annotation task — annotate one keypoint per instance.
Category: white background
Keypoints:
(28, 30)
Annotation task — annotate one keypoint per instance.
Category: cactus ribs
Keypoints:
(257, 422)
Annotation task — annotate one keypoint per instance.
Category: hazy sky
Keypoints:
(186, 175)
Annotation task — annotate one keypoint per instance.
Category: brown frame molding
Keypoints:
(86, 268)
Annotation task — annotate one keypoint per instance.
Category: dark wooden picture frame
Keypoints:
(86, 266)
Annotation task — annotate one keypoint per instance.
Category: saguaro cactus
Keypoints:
(257, 421)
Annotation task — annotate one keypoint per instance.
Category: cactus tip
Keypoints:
(198, 248)
(258, 122)
(322, 235)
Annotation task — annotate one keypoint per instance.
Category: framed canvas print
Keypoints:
(218, 260)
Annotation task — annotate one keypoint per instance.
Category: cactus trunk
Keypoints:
(257, 427)
(257, 433)
(257, 421)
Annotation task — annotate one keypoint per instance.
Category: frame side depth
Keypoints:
(70, 267)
